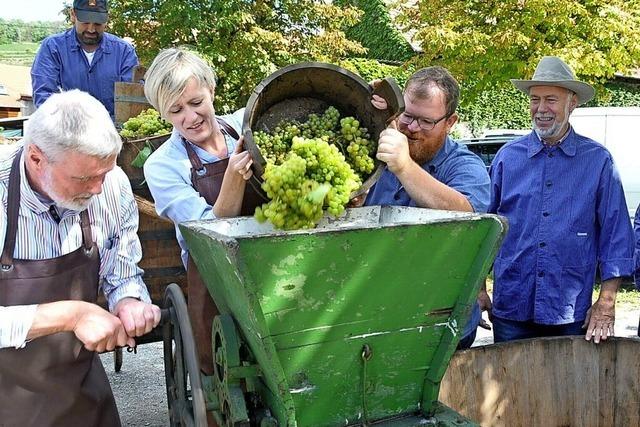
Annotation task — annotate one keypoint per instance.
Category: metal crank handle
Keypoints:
(165, 316)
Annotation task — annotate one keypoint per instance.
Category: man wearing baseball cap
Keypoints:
(84, 57)
(563, 198)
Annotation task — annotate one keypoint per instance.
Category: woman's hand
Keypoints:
(229, 203)
(240, 162)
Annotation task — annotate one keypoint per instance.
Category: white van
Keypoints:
(618, 129)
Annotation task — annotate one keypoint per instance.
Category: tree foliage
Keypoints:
(484, 42)
(370, 69)
(505, 107)
(244, 40)
(18, 31)
(376, 32)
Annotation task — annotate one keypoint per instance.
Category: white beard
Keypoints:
(549, 132)
(79, 203)
(553, 131)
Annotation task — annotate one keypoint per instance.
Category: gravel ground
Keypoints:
(140, 387)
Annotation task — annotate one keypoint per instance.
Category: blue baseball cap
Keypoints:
(91, 11)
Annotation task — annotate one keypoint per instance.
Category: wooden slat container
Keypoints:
(560, 381)
(160, 252)
(130, 149)
(160, 261)
(129, 97)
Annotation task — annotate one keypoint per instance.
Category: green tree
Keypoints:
(9, 31)
(244, 40)
(484, 42)
(376, 32)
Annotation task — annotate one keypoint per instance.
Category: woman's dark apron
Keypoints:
(207, 180)
(54, 380)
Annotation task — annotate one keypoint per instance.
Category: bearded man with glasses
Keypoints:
(425, 167)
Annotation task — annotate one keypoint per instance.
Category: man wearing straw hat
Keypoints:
(567, 216)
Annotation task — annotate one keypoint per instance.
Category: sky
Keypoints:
(32, 10)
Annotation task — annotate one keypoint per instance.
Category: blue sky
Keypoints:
(32, 10)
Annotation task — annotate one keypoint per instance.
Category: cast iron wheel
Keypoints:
(185, 395)
(226, 354)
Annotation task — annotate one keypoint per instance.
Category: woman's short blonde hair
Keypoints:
(169, 74)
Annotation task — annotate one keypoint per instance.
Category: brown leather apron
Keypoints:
(207, 180)
(54, 380)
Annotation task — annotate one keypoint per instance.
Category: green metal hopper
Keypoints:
(346, 324)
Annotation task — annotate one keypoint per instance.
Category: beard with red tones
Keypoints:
(421, 148)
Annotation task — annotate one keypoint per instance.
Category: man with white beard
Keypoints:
(68, 223)
(563, 198)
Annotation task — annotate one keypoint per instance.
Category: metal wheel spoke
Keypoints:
(185, 395)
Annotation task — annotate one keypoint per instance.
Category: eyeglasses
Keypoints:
(425, 124)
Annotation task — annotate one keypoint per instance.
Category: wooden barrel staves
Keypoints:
(130, 150)
(559, 381)
(161, 259)
(129, 97)
(160, 250)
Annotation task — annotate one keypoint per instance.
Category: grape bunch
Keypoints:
(313, 178)
(353, 141)
(275, 146)
(312, 168)
(147, 123)
(359, 148)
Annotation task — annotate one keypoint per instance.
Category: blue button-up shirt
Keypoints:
(62, 64)
(636, 227)
(458, 168)
(567, 214)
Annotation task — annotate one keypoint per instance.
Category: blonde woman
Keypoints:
(201, 171)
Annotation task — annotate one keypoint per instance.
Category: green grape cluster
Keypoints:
(275, 146)
(359, 148)
(352, 140)
(322, 126)
(312, 168)
(147, 123)
(313, 178)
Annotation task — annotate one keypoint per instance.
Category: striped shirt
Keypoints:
(113, 215)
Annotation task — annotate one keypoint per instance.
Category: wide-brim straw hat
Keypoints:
(552, 71)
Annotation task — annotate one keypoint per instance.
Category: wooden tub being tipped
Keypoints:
(559, 381)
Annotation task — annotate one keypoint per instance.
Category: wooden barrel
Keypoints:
(130, 150)
(161, 259)
(129, 99)
(559, 381)
(297, 90)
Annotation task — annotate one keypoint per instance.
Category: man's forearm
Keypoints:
(609, 290)
(54, 317)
